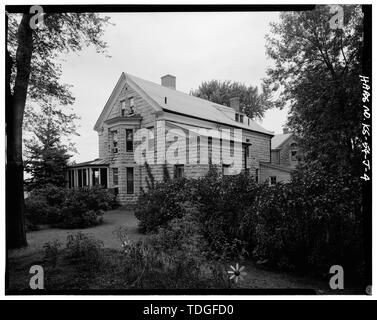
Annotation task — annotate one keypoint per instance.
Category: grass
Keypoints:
(77, 274)
(70, 274)
(104, 232)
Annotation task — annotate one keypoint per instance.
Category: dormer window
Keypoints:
(241, 118)
(237, 117)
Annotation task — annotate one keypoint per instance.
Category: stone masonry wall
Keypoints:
(259, 149)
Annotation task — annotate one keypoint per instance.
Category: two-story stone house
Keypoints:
(137, 104)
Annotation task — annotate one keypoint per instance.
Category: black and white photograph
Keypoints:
(188, 150)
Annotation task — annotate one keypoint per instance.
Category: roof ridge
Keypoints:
(175, 90)
(187, 104)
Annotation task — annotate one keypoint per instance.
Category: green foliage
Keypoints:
(91, 198)
(219, 202)
(46, 156)
(173, 258)
(316, 74)
(43, 206)
(73, 217)
(251, 102)
(83, 247)
(33, 75)
(62, 32)
(68, 208)
(316, 220)
(308, 224)
(51, 250)
(160, 204)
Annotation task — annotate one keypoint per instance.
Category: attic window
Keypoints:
(237, 117)
(166, 100)
(123, 107)
(248, 121)
(241, 118)
(131, 103)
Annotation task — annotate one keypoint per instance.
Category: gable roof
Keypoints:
(183, 103)
(186, 104)
(279, 139)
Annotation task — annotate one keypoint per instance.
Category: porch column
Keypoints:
(90, 177)
(76, 178)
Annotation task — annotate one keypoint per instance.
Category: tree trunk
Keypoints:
(15, 106)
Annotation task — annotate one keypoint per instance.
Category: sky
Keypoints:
(194, 47)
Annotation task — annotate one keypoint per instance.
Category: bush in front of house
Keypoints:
(174, 257)
(160, 204)
(220, 202)
(68, 208)
(308, 224)
(93, 198)
(43, 206)
(84, 247)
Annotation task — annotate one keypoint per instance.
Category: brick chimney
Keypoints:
(235, 103)
(168, 81)
(285, 130)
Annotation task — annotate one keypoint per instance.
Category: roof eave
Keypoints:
(214, 121)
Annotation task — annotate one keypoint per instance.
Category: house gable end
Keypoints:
(112, 106)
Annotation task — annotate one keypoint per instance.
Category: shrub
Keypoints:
(74, 217)
(94, 198)
(68, 208)
(174, 257)
(220, 200)
(43, 205)
(310, 223)
(51, 251)
(37, 211)
(160, 204)
(86, 248)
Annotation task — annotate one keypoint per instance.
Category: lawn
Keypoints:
(68, 275)
(104, 232)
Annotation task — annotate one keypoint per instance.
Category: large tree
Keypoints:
(33, 74)
(253, 103)
(316, 72)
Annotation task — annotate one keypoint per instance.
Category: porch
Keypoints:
(90, 173)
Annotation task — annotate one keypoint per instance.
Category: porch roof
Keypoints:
(94, 163)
